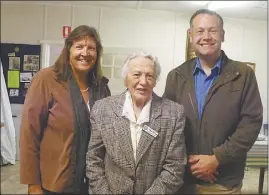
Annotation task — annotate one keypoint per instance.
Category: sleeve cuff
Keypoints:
(220, 156)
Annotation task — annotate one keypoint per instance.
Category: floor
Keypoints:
(10, 181)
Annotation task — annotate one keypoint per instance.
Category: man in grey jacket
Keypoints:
(223, 109)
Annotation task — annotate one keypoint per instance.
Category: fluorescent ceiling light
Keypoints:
(214, 5)
(202, 3)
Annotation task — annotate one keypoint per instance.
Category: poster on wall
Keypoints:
(13, 79)
(31, 63)
(26, 77)
(14, 63)
(26, 85)
(13, 92)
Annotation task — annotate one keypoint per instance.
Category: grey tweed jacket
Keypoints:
(160, 161)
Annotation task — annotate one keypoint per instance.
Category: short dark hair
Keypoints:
(206, 11)
(62, 65)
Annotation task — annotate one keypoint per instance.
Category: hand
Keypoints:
(35, 189)
(204, 167)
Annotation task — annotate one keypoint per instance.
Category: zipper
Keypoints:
(192, 105)
(198, 123)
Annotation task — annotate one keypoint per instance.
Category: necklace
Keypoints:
(84, 90)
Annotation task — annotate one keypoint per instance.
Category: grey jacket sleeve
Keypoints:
(171, 178)
(95, 156)
(240, 142)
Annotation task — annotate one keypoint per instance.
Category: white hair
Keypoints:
(125, 67)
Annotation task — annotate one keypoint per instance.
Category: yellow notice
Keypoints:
(13, 79)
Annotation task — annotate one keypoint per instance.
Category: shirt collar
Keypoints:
(128, 110)
(198, 66)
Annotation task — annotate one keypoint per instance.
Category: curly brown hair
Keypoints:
(63, 68)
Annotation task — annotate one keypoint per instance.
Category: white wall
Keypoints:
(163, 33)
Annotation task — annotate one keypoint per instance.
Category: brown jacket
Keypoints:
(45, 153)
(231, 119)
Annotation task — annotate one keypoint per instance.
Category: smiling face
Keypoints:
(83, 55)
(206, 35)
(141, 79)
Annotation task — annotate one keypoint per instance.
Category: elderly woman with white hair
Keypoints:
(137, 144)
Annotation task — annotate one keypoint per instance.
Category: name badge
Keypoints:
(150, 131)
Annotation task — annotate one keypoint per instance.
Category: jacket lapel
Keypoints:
(192, 95)
(191, 87)
(122, 129)
(146, 139)
(228, 74)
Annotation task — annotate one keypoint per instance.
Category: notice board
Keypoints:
(20, 63)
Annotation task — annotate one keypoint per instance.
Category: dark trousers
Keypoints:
(50, 192)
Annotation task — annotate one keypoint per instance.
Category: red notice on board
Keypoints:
(66, 31)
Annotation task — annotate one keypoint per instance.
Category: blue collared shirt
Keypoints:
(204, 82)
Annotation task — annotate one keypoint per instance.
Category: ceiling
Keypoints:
(255, 10)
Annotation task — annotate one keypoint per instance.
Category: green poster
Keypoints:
(13, 79)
